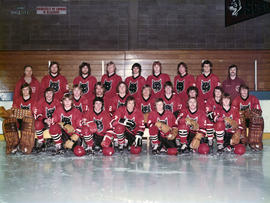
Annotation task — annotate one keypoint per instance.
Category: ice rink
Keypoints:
(130, 178)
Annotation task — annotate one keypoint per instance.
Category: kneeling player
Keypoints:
(161, 125)
(128, 123)
(96, 130)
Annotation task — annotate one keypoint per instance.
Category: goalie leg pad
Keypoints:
(27, 140)
(11, 134)
(256, 133)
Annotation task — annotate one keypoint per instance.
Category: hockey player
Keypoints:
(30, 79)
(79, 100)
(158, 118)
(85, 80)
(110, 80)
(194, 92)
(54, 80)
(101, 135)
(157, 80)
(128, 123)
(136, 81)
(183, 80)
(207, 81)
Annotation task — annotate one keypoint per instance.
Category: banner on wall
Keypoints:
(49, 10)
(240, 10)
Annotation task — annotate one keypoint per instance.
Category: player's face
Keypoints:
(244, 93)
(25, 91)
(226, 102)
(233, 72)
(218, 93)
(85, 70)
(135, 70)
(99, 90)
(130, 105)
(111, 69)
(67, 103)
(192, 104)
(77, 92)
(98, 106)
(28, 72)
(206, 68)
(54, 69)
(192, 93)
(182, 70)
(159, 106)
(168, 89)
(146, 92)
(49, 96)
(122, 89)
(157, 69)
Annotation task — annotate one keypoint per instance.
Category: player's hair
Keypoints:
(138, 66)
(243, 87)
(226, 96)
(156, 63)
(218, 88)
(147, 86)
(24, 86)
(98, 99)
(77, 86)
(182, 64)
(82, 65)
(26, 66)
(67, 95)
(130, 98)
(110, 63)
(99, 84)
(168, 83)
(118, 85)
(193, 88)
(232, 66)
(54, 63)
(159, 100)
(48, 89)
(207, 62)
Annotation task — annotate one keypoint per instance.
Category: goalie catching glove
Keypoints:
(68, 128)
(231, 122)
(194, 125)
(170, 133)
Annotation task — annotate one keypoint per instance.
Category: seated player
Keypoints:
(157, 80)
(110, 80)
(251, 117)
(99, 135)
(119, 99)
(43, 116)
(128, 123)
(183, 81)
(145, 102)
(207, 81)
(172, 101)
(66, 125)
(136, 81)
(191, 125)
(228, 126)
(161, 138)
(79, 100)
(85, 80)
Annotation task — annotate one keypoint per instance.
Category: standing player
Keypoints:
(79, 100)
(30, 79)
(232, 83)
(159, 138)
(128, 123)
(85, 80)
(55, 80)
(183, 80)
(136, 81)
(207, 81)
(157, 80)
(110, 80)
(43, 115)
(102, 136)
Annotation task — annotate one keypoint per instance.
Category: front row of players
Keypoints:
(178, 132)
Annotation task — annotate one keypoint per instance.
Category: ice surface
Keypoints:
(131, 178)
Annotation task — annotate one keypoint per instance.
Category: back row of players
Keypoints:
(116, 112)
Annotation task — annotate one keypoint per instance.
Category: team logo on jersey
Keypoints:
(156, 85)
(84, 87)
(55, 85)
(180, 85)
(133, 87)
(169, 107)
(244, 107)
(26, 107)
(79, 107)
(205, 86)
(66, 119)
(107, 85)
(99, 123)
(119, 104)
(49, 112)
(146, 108)
(165, 121)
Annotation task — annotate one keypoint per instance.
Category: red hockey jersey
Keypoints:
(87, 85)
(157, 83)
(250, 103)
(135, 85)
(110, 83)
